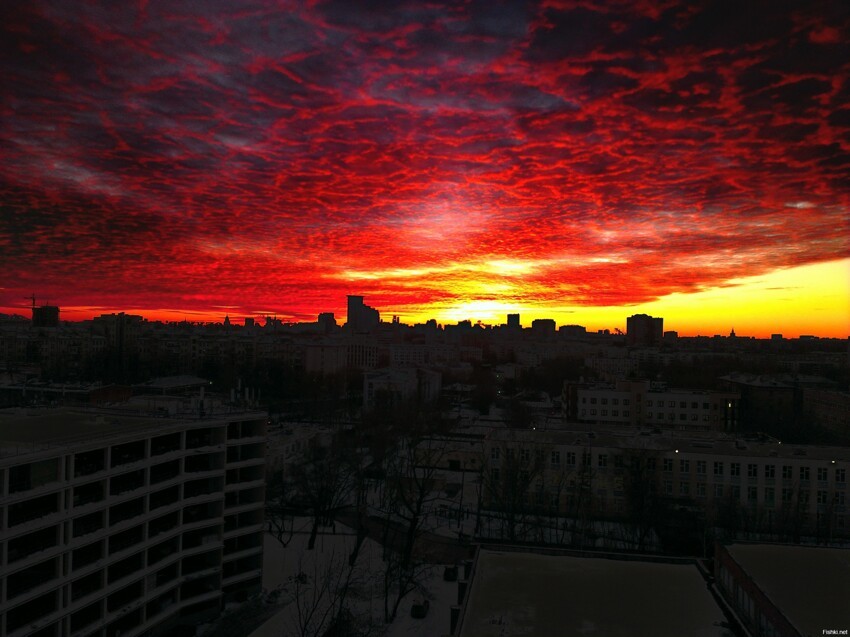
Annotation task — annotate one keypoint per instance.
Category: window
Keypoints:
(718, 468)
(705, 405)
(494, 474)
(770, 471)
(838, 497)
(787, 495)
(494, 453)
(668, 464)
(718, 490)
(602, 460)
(672, 403)
(592, 401)
(625, 413)
(586, 459)
(752, 494)
(604, 412)
(615, 412)
(683, 404)
(571, 458)
(804, 473)
(821, 474)
(625, 401)
(592, 412)
(684, 466)
(752, 471)
(684, 488)
(735, 469)
(736, 492)
(668, 487)
(840, 475)
(618, 461)
(604, 401)
(615, 401)
(525, 455)
(769, 495)
(701, 467)
(787, 472)
(823, 497)
(701, 489)
(649, 403)
(556, 458)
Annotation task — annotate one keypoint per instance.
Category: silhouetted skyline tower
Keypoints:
(361, 317)
(513, 322)
(642, 329)
(45, 316)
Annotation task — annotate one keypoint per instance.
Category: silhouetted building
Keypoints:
(642, 329)
(573, 331)
(327, 322)
(45, 316)
(513, 322)
(361, 317)
(543, 327)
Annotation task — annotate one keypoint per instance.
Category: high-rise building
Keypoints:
(513, 322)
(644, 330)
(45, 316)
(115, 524)
(361, 317)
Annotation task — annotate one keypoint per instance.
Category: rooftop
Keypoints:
(809, 585)
(28, 430)
(541, 595)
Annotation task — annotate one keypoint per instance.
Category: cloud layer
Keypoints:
(428, 154)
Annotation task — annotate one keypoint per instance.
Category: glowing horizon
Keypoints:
(729, 307)
(581, 161)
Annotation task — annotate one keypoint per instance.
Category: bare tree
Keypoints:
(507, 488)
(319, 595)
(412, 484)
(323, 483)
(280, 514)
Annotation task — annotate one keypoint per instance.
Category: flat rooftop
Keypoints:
(810, 585)
(26, 430)
(543, 595)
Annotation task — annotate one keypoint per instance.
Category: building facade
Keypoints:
(127, 525)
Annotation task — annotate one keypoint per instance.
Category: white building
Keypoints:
(125, 524)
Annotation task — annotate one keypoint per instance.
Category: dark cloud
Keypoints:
(238, 152)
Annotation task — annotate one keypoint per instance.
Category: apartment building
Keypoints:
(771, 487)
(643, 403)
(117, 524)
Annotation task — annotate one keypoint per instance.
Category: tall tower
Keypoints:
(642, 329)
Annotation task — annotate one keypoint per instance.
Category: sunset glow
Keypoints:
(581, 161)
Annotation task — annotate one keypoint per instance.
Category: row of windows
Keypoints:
(769, 493)
(604, 401)
(682, 404)
(718, 467)
(614, 412)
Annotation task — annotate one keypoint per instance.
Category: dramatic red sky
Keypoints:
(581, 160)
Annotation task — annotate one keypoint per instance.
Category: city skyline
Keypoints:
(581, 162)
